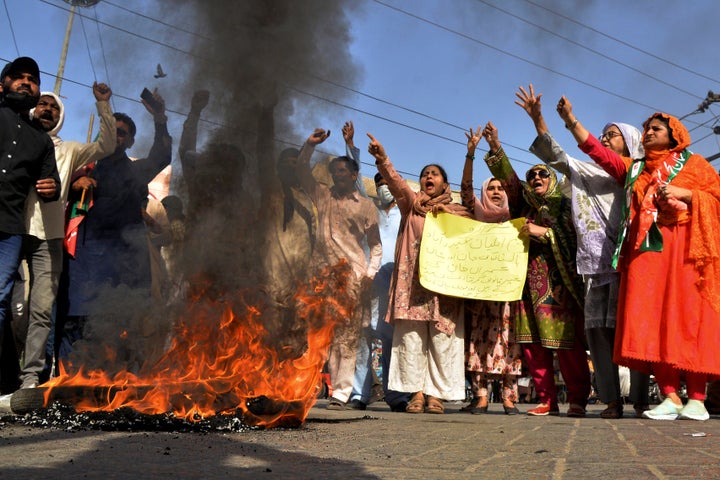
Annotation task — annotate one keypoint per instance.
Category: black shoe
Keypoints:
(335, 404)
(357, 405)
(511, 410)
(479, 410)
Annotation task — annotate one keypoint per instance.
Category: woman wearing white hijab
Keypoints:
(597, 208)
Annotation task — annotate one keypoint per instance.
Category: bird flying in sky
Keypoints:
(160, 73)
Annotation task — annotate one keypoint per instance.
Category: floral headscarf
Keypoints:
(553, 210)
(550, 200)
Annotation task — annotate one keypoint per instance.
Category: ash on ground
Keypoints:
(64, 417)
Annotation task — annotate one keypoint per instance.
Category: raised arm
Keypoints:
(610, 161)
(467, 194)
(500, 168)
(532, 104)
(351, 151)
(161, 150)
(544, 146)
(188, 139)
(303, 169)
(107, 138)
(564, 109)
(404, 195)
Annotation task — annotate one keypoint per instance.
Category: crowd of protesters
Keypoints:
(623, 252)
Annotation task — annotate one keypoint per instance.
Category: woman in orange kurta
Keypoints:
(669, 305)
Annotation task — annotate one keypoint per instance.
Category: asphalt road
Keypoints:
(377, 444)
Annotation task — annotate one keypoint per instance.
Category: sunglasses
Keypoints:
(534, 173)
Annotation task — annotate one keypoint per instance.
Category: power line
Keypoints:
(596, 52)
(102, 48)
(512, 55)
(114, 27)
(195, 34)
(12, 30)
(98, 22)
(633, 47)
(87, 47)
(415, 112)
(517, 57)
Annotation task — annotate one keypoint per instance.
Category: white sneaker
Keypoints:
(694, 410)
(667, 410)
(5, 403)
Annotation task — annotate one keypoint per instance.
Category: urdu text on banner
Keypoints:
(465, 258)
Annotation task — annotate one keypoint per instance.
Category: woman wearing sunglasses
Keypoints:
(549, 317)
(596, 204)
(669, 258)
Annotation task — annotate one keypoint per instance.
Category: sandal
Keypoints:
(416, 403)
(480, 408)
(435, 405)
(614, 410)
(512, 410)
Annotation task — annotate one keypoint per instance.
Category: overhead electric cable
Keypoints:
(12, 30)
(512, 55)
(87, 47)
(622, 42)
(596, 52)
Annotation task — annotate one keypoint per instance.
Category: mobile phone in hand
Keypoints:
(148, 97)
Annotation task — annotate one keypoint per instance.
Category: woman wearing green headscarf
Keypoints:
(549, 316)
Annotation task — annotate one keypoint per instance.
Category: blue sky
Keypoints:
(427, 70)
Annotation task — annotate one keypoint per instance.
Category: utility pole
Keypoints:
(66, 42)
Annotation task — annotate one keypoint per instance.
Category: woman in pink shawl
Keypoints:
(491, 352)
(428, 340)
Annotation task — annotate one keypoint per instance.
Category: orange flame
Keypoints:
(223, 358)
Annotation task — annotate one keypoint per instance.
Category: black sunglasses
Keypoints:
(533, 173)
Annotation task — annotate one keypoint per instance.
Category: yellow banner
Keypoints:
(470, 259)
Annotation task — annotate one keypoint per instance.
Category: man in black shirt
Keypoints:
(27, 160)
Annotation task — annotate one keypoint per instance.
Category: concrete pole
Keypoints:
(63, 54)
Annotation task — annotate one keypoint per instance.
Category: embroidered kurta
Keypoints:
(408, 299)
(552, 297)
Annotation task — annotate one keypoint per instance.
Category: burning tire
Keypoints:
(26, 400)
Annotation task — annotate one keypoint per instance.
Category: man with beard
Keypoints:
(45, 222)
(346, 222)
(27, 161)
(107, 264)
